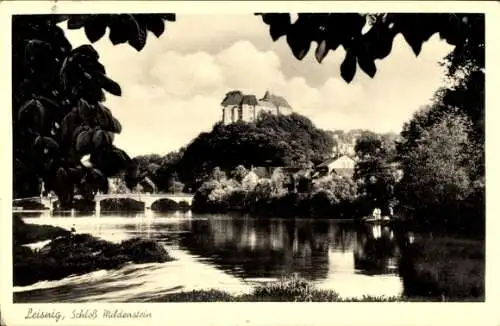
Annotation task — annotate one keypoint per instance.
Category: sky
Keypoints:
(173, 88)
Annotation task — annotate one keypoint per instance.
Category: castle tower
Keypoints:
(237, 106)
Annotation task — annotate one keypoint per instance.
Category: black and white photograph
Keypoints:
(268, 156)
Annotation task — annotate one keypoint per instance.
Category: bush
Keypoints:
(165, 205)
(29, 204)
(121, 204)
(184, 206)
(458, 275)
(320, 204)
(80, 254)
(23, 233)
(284, 290)
(144, 251)
(83, 205)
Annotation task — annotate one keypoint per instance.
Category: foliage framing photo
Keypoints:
(63, 134)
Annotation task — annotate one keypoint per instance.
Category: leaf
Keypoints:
(156, 26)
(63, 75)
(84, 141)
(86, 51)
(98, 173)
(56, 19)
(122, 155)
(48, 102)
(38, 49)
(348, 67)
(103, 117)
(367, 63)
(379, 40)
(169, 17)
(44, 142)
(109, 85)
(77, 130)
(100, 139)
(111, 136)
(278, 24)
(139, 42)
(117, 127)
(95, 27)
(321, 51)
(77, 21)
(69, 122)
(298, 43)
(36, 108)
(453, 31)
(119, 29)
(61, 178)
(84, 110)
(85, 161)
(414, 42)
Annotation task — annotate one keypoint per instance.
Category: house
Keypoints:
(342, 165)
(237, 106)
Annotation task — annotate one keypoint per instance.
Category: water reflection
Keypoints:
(351, 259)
(377, 251)
(256, 248)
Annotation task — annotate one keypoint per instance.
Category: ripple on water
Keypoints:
(191, 270)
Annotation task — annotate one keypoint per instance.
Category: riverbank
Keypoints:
(453, 268)
(289, 205)
(58, 253)
(290, 289)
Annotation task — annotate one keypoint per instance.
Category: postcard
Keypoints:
(248, 163)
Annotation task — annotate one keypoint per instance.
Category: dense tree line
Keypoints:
(440, 151)
(244, 191)
(273, 140)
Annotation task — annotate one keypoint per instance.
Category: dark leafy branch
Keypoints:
(331, 30)
(63, 133)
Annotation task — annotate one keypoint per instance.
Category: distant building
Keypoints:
(343, 165)
(237, 106)
(345, 146)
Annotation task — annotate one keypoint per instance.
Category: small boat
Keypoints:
(374, 220)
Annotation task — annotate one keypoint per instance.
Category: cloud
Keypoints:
(173, 88)
(186, 75)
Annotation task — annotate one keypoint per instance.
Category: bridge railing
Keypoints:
(15, 200)
(166, 195)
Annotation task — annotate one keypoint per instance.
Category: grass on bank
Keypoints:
(445, 267)
(289, 289)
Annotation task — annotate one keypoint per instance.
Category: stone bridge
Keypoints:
(147, 199)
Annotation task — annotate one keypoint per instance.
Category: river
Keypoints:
(226, 253)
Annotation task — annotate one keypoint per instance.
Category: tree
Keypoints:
(117, 186)
(239, 173)
(271, 141)
(375, 172)
(58, 94)
(332, 30)
(436, 179)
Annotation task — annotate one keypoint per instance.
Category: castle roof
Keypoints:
(268, 100)
(277, 101)
(249, 99)
(232, 98)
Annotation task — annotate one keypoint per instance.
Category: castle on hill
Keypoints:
(237, 106)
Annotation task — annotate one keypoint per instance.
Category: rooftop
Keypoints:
(268, 100)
